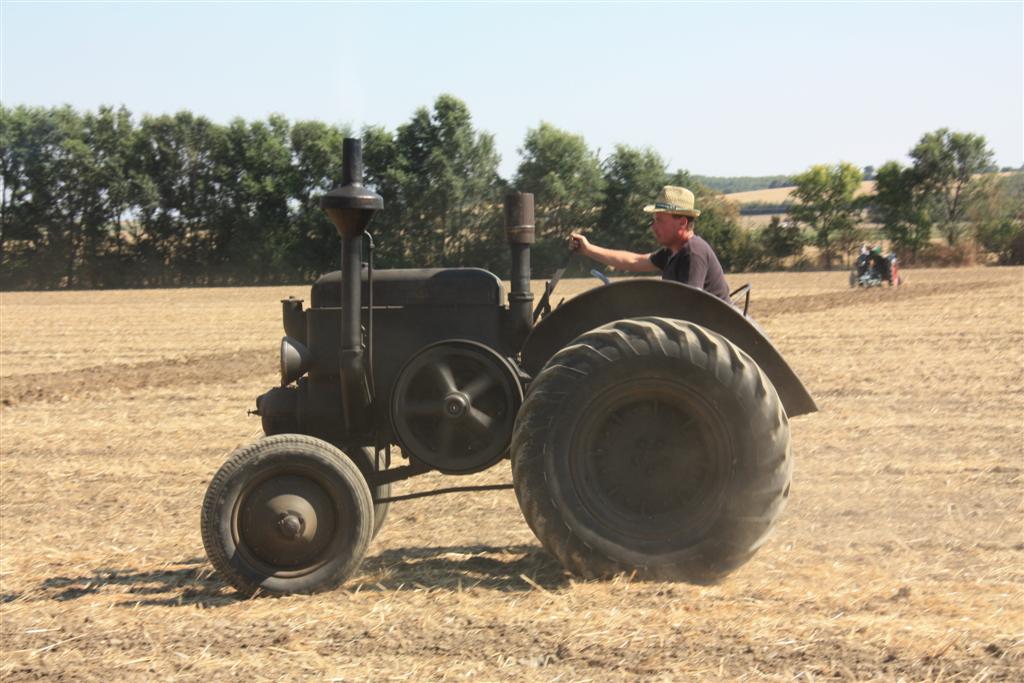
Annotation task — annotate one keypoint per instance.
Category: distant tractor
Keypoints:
(646, 421)
(871, 269)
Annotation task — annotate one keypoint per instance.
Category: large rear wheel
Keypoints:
(652, 446)
(287, 514)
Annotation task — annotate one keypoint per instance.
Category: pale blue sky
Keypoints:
(718, 89)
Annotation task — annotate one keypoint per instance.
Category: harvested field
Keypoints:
(777, 195)
(900, 556)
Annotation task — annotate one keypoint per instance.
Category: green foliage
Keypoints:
(944, 164)
(568, 187)
(632, 179)
(996, 209)
(101, 199)
(903, 208)
(97, 199)
(450, 189)
(826, 205)
(781, 239)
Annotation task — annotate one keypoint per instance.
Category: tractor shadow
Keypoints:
(184, 582)
(515, 568)
(192, 582)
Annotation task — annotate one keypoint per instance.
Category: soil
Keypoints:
(899, 557)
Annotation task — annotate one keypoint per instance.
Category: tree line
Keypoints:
(949, 190)
(105, 199)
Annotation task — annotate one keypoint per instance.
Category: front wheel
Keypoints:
(652, 446)
(287, 514)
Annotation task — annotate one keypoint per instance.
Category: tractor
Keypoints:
(647, 422)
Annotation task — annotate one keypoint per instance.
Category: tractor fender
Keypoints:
(667, 299)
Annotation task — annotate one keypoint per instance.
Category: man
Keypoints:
(683, 256)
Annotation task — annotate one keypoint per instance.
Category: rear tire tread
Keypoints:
(749, 517)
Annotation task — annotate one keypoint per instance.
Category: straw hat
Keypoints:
(673, 200)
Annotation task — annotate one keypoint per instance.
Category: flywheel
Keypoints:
(454, 404)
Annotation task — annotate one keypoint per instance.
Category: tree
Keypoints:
(903, 208)
(825, 203)
(104, 191)
(181, 165)
(27, 174)
(944, 164)
(450, 190)
(632, 178)
(781, 239)
(565, 178)
(316, 168)
(996, 209)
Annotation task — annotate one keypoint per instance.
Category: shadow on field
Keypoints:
(505, 568)
(192, 582)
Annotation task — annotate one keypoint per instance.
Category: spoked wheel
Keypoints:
(454, 406)
(651, 446)
(287, 514)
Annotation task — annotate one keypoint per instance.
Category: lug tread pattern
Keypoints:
(745, 520)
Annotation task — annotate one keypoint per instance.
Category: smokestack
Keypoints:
(519, 228)
(350, 206)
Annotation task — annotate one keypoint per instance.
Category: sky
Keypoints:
(743, 88)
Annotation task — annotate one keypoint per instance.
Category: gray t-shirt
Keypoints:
(695, 265)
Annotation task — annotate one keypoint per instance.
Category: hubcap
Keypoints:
(287, 521)
(456, 404)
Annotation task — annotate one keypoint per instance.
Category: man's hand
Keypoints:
(579, 244)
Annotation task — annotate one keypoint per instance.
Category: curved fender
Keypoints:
(666, 299)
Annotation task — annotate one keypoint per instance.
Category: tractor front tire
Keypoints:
(287, 514)
(651, 447)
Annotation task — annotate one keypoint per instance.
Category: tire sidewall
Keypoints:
(281, 454)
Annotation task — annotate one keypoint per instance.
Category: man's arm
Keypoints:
(616, 258)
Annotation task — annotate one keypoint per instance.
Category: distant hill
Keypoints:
(780, 195)
(730, 184)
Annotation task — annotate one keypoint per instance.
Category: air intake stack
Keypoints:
(350, 206)
(519, 228)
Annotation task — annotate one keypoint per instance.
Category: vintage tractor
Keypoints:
(646, 421)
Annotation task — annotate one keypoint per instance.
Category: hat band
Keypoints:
(670, 207)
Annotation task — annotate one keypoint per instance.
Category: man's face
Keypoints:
(671, 230)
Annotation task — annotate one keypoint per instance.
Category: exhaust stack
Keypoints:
(519, 228)
(350, 206)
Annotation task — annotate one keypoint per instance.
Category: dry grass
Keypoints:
(899, 557)
(777, 195)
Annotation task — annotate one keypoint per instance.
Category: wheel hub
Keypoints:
(645, 460)
(456, 404)
(287, 521)
(291, 525)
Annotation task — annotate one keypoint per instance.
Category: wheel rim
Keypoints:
(454, 406)
(650, 461)
(287, 522)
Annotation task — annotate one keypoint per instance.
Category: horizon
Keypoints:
(764, 89)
